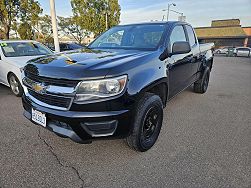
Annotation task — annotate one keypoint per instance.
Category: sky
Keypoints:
(199, 13)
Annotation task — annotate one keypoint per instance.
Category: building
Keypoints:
(225, 33)
(247, 30)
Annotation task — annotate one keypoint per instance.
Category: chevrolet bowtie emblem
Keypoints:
(40, 88)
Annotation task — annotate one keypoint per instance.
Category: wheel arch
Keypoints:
(206, 71)
(20, 88)
(10, 73)
(160, 88)
(210, 63)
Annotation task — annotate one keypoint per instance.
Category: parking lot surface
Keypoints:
(205, 141)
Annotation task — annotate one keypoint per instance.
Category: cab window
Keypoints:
(191, 35)
(177, 35)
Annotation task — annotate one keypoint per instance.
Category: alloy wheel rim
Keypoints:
(14, 85)
(150, 123)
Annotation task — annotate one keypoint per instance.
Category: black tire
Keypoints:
(15, 85)
(201, 85)
(147, 123)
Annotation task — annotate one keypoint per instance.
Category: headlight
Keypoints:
(100, 89)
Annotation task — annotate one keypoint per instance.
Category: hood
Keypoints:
(81, 64)
(20, 61)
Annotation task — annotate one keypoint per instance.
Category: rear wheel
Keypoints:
(147, 123)
(201, 85)
(15, 85)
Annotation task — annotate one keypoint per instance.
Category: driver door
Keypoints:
(178, 66)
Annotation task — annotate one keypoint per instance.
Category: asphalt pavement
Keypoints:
(205, 141)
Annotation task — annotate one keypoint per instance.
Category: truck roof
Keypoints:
(154, 22)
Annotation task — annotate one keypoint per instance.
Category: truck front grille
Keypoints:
(52, 81)
(57, 101)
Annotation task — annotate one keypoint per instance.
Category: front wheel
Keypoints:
(147, 123)
(15, 85)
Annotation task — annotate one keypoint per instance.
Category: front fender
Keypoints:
(141, 80)
(146, 78)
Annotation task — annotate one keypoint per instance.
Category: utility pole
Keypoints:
(106, 21)
(54, 25)
(168, 9)
(106, 15)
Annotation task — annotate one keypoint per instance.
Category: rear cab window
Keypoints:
(191, 36)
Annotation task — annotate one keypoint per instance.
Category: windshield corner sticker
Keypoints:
(8, 49)
(3, 44)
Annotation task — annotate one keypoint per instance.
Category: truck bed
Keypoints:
(206, 46)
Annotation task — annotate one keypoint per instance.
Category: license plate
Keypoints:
(38, 117)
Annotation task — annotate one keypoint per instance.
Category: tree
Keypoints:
(114, 12)
(25, 31)
(45, 29)
(30, 11)
(69, 26)
(8, 12)
(29, 17)
(91, 14)
(24, 12)
(14, 27)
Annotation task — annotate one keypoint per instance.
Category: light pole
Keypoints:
(182, 17)
(106, 15)
(180, 13)
(54, 26)
(168, 9)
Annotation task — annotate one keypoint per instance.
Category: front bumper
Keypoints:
(83, 127)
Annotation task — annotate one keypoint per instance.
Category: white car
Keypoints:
(221, 50)
(13, 57)
(242, 52)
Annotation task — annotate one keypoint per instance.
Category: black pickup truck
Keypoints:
(119, 85)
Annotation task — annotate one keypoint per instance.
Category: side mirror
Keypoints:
(181, 48)
(177, 48)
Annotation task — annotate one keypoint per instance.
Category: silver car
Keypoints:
(242, 52)
(221, 50)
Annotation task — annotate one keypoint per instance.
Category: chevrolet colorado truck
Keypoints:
(119, 85)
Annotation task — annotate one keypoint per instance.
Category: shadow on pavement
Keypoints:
(4, 90)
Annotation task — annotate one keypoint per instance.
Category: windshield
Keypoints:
(75, 46)
(130, 37)
(17, 49)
